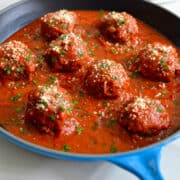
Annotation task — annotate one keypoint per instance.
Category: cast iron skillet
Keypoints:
(143, 162)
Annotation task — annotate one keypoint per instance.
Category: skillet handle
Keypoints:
(145, 165)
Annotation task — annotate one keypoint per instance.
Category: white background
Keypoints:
(19, 164)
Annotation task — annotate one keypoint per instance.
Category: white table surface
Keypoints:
(19, 164)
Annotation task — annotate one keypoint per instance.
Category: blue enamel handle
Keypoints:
(146, 163)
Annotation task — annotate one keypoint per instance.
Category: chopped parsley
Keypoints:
(99, 113)
(104, 65)
(68, 111)
(87, 114)
(75, 102)
(62, 109)
(63, 37)
(115, 77)
(62, 52)
(127, 50)
(44, 103)
(16, 98)
(63, 27)
(81, 93)
(159, 109)
(80, 53)
(52, 117)
(28, 57)
(8, 71)
(104, 103)
(34, 82)
(52, 79)
(79, 130)
(95, 126)
(113, 149)
(18, 110)
(164, 92)
(53, 59)
(112, 123)
(101, 13)
(66, 148)
(23, 130)
(176, 102)
(163, 64)
(121, 21)
(19, 69)
(134, 75)
(134, 60)
(114, 51)
(90, 52)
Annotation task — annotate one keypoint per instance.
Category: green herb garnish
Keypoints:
(52, 117)
(159, 109)
(66, 148)
(112, 123)
(113, 149)
(176, 102)
(121, 21)
(79, 130)
(16, 98)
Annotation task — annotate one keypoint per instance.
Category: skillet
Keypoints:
(143, 162)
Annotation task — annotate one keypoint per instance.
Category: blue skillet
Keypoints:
(143, 162)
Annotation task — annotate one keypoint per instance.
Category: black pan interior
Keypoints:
(26, 11)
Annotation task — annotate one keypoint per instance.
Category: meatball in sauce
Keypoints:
(67, 53)
(158, 62)
(145, 115)
(56, 23)
(17, 61)
(46, 108)
(106, 78)
(120, 27)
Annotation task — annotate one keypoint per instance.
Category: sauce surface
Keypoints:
(98, 130)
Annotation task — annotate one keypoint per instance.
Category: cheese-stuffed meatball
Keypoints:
(17, 61)
(158, 62)
(120, 27)
(145, 116)
(67, 53)
(106, 78)
(47, 107)
(56, 23)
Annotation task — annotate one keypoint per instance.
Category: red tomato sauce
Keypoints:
(95, 133)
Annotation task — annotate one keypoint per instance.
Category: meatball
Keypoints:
(68, 53)
(106, 78)
(145, 116)
(120, 27)
(17, 61)
(158, 62)
(47, 107)
(56, 23)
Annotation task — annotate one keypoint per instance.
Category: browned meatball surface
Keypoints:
(106, 78)
(17, 61)
(47, 107)
(56, 23)
(68, 53)
(158, 62)
(120, 27)
(146, 116)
